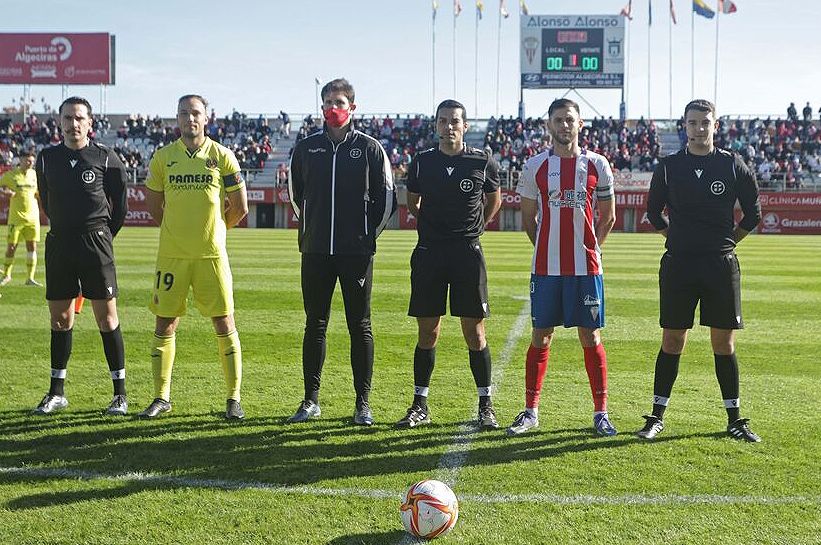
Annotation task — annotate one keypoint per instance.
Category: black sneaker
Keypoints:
(233, 410)
(741, 431)
(118, 406)
(157, 407)
(652, 427)
(307, 410)
(51, 403)
(362, 415)
(487, 418)
(416, 417)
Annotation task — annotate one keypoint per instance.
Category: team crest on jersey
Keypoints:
(356, 153)
(466, 185)
(717, 187)
(211, 163)
(88, 176)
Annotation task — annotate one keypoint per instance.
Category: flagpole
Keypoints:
(433, 60)
(649, 27)
(692, 53)
(715, 75)
(670, 58)
(498, 58)
(476, 72)
(625, 88)
(454, 55)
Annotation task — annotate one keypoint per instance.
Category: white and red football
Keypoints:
(430, 509)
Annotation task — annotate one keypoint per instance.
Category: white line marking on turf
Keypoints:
(306, 490)
(451, 462)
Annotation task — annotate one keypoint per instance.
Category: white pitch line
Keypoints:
(316, 491)
(451, 462)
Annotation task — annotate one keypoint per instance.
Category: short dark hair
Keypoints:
(28, 153)
(562, 103)
(75, 100)
(338, 85)
(450, 103)
(700, 104)
(193, 97)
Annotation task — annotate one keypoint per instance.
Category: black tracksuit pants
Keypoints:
(319, 275)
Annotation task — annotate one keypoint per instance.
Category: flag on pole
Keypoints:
(523, 7)
(726, 6)
(457, 8)
(701, 8)
(649, 12)
(435, 7)
(503, 9)
(627, 11)
(673, 13)
(479, 7)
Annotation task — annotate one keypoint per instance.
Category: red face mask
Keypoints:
(336, 117)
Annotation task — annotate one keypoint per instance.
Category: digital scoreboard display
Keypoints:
(572, 51)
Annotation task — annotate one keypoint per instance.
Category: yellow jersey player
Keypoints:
(188, 183)
(20, 184)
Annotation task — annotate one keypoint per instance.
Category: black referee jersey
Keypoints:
(82, 189)
(452, 189)
(700, 194)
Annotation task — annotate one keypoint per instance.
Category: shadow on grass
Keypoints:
(257, 450)
(376, 538)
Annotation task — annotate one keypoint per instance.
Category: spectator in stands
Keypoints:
(285, 124)
(807, 113)
(792, 113)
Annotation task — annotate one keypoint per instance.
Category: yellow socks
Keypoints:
(163, 350)
(231, 359)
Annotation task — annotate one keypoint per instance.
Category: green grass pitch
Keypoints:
(190, 477)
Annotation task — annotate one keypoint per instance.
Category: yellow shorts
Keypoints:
(26, 231)
(210, 279)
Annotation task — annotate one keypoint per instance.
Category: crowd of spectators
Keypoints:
(782, 152)
(627, 147)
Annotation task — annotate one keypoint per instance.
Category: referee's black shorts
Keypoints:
(458, 264)
(80, 263)
(714, 280)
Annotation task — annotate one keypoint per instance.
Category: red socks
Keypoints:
(595, 362)
(535, 369)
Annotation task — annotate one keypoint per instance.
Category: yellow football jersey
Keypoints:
(23, 208)
(194, 185)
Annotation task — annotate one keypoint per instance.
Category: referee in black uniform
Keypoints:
(82, 188)
(453, 191)
(341, 189)
(699, 186)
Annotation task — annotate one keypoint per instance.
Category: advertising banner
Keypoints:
(57, 59)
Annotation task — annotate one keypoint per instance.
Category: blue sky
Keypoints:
(264, 56)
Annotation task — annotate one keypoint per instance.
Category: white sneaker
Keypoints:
(5, 280)
(523, 422)
(51, 403)
(32, 282)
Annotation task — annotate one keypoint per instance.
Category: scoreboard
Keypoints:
(572, 51)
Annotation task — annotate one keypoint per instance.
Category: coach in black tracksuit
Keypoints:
(700, 186)
(342, 191)
(82, 187)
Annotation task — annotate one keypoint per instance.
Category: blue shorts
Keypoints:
(572, 301)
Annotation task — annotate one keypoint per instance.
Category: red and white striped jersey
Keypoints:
(566, 189)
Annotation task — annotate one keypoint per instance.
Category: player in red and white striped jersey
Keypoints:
(560, 190)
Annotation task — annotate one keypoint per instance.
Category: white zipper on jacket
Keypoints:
(333, 193)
